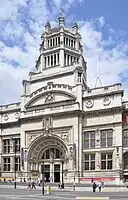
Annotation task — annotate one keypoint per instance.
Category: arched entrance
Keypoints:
(125, 166)
(51, 160)
(45, 158)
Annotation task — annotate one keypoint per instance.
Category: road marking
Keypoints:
(92, 198)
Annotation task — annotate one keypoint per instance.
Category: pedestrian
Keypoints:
(33, 185)
(94, 186)
(99, 186)
(29, 185)
(92, 180)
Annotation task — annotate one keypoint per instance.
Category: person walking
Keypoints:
(29, 185)
(33, 185)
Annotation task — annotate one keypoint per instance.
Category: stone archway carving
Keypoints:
(43, 142)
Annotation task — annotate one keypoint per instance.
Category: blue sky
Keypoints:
(102, 24)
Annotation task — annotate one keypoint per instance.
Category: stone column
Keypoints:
(97, 161)
(57, 60)
(46, 62)
(50, 61)
(66, 59)
(52, 171)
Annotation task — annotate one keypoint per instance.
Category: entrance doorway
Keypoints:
(57, 173)
(46, 172)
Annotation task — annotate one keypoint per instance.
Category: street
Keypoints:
(24, 194)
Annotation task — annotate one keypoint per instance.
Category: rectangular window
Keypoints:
(58, 40)
(17, 164)
(107, 138)
(79, 77)
(89, 161)
(51, 60)
(55, 60)
(16, 143)
(89, 139)
(71, 43)
(106, 161)
(64, 40)
(58, 61)
(67, 41)
(6, 146)
(6, 164)
(125, 138)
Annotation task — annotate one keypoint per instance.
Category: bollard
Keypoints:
(48, 189)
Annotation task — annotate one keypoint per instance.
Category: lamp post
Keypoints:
(43, 179)
(62, 161)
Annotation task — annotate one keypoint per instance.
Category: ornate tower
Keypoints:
(61, 48)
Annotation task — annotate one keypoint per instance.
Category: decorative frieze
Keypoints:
(106, 101)
(6, 117)
(89, 103)
(17, 115)
(49, 97)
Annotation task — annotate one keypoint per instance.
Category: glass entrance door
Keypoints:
(57, 173)
(46, 172)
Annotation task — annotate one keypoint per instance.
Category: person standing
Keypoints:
(99, 186)
(94, 187)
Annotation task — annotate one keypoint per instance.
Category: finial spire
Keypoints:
(61, 12)
(61, 18)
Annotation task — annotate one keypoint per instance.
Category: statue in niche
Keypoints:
(71, 153)
(97, 137)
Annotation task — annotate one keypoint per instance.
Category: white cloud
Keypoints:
(23, 23)
(102, 21)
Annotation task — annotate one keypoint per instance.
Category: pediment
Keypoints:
(50, 97)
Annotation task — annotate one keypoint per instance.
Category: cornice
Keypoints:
(51, 77)
(101, 125)
(108, 93)
(101, 112)
(10, 124)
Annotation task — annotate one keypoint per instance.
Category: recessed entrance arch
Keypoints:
(125, 165)
(45, 154)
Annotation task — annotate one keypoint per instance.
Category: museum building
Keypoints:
(62, 127)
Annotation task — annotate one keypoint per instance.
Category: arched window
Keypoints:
(52, 153)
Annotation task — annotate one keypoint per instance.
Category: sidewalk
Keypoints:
(86, 189)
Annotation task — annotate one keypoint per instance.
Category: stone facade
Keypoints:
(60, 120)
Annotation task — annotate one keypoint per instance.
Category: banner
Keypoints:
(98, 179)
(22, 157)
